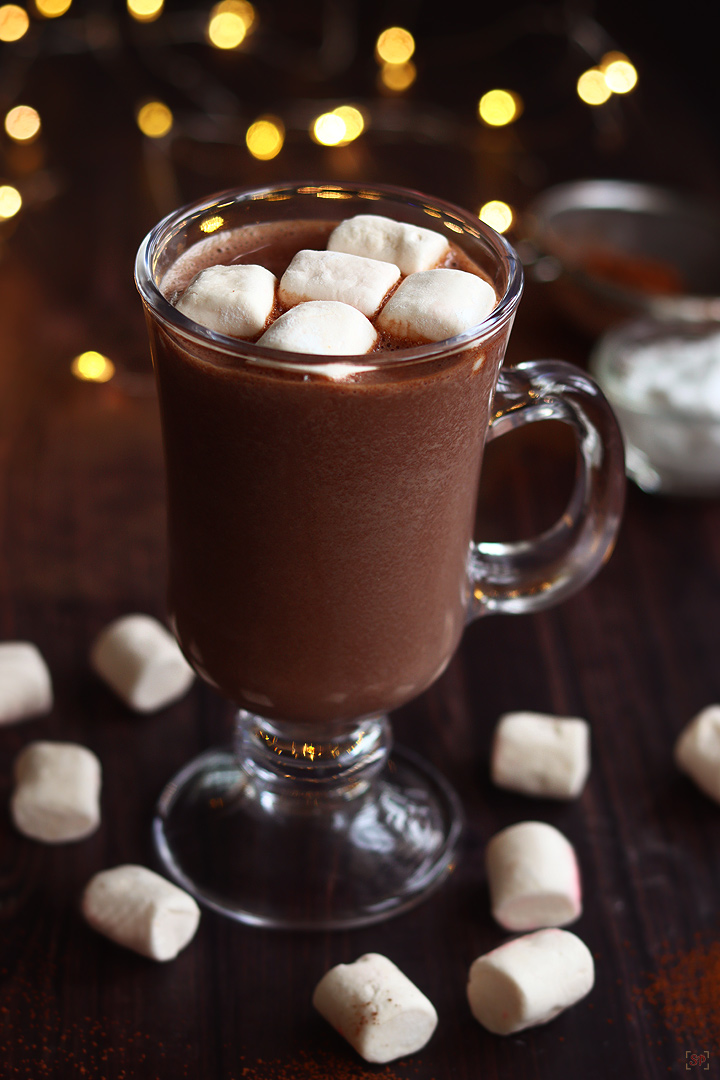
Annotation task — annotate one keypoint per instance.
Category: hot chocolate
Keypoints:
(319, 526)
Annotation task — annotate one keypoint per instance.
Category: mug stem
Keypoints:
(311, 765)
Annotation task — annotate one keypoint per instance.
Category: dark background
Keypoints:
(82, 541)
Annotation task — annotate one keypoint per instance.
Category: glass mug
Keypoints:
(322, 564)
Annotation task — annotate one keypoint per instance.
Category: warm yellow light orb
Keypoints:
(499, 107)
(398, 77)
(265, 138)
(229, 23)
(497, 215)
(154, 119)
(10, 201)
(353, 120)
(244, 9)
(14, 22)
(22, 123)
(92, 366)
(592, 87)
(52, 9)
(145, 10)
(395, 45)
(620, 75)
(329, 129)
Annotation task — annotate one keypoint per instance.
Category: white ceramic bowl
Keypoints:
(662, 379)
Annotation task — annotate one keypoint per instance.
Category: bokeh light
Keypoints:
(620, 75)
(264, 139)
(353, 120)
(246, 11)
(10, 201)
(92, 366)
(499, 107)
(329, 129)
(22, 123)
(230, 22)
(154, 119)
(497, 214)
(52, 9)
(397, 77)
(145, 10)
(394, 45)
(592, 87)
(14, 22)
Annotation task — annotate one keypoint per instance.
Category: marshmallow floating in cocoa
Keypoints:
(373, 1005)
(140, 910)
(697, 751)
(25, 683)
(546, 756)
(142, 662)
(322, 327)
(334, 275)
(433, 305)
(409, 247)
(234, 300)
(529, 981)
(57, 792)
(533, 877)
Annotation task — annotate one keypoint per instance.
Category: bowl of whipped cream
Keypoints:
(662, 378)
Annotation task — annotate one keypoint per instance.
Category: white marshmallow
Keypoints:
(380, 1012)
(57, 792)
(533, 877)
(333, 275)
(697, 751)
(547, 756)
(410, 247)
(25, 683)
(529, 981)
(234, 300)
(136, 908)
(437, 304)
(323, 327)
(142, 662)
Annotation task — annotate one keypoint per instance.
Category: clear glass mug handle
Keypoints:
(530, 575)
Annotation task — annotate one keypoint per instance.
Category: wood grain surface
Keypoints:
(82, 541)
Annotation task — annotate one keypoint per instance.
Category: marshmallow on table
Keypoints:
(334, 275)
(142, 662)
(533, 877)
(410, 247)
(380, 1012)
(437, 304)
(57, 792)
(529, 980)
(234, 300)
(697, 751)
(136, 908)
(25, 684)
(323, 327)
(547, 756)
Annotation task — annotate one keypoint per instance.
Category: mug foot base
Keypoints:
(303, 861)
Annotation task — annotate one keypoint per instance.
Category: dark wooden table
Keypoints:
(82, 541)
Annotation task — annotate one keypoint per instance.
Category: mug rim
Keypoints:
(252, 352)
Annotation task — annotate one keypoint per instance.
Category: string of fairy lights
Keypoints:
(229, 27)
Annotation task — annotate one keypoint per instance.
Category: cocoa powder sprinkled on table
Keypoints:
(319, 1066)
(35, 1042)
(685, 990)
